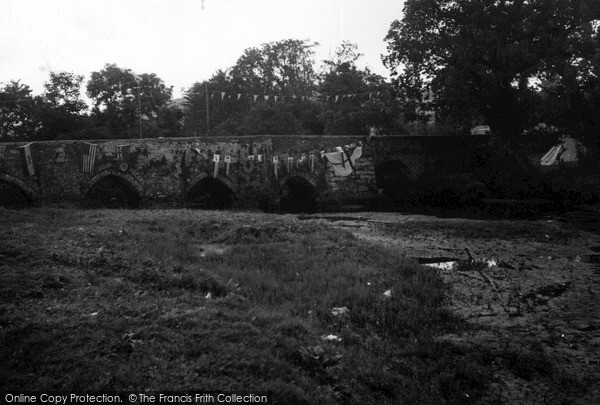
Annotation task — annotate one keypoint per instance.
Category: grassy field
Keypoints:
(101, 300)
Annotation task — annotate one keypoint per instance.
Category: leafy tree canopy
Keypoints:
(284, 66)
(18, 111)
(121, 97)
(483, 56)
(61, 110)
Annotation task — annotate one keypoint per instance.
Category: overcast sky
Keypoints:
(182, 41)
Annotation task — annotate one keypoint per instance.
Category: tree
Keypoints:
(123, 98)
(368, 99)
(225, 108)
(481, 57)
(62, 109)
(284, 69)
(18, 112)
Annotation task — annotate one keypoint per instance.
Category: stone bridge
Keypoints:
(286, 172)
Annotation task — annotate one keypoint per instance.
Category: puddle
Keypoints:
(211, 249)
(450, 263)
(332, 218)
(430, 260)
(442, 265)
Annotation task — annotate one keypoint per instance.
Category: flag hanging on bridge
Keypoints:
(290, 162)
(343, 161)
(216, 159)
(311, 162)
(227, 164)
(276, 165)
(27, 159)
(122, 157)
(89, 157)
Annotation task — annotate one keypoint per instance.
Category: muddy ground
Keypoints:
(538, 287)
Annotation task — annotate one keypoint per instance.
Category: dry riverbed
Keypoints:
(528, 287)
(320, 308)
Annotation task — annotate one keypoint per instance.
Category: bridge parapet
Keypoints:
(168, 169)
(254, 170)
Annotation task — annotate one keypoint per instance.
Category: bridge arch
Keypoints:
(18, 193)
(309, 179)
(394, 178)
(110, 188)
(298, 193)
(207, 192)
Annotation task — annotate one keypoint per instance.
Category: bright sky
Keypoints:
(182, 41)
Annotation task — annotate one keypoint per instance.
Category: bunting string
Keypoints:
(334, 98)
(237, 96)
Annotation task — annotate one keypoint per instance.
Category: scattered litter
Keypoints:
(208, 295)
(388, 293)
(331, 338)
(491, 263)
(339, 311)
(442, 265)
(94, 314)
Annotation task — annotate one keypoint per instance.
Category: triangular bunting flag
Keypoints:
(222, 95)
(255, 97)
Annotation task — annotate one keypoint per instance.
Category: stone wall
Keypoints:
(167, 169)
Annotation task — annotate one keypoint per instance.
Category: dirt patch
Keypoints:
(535, 312)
